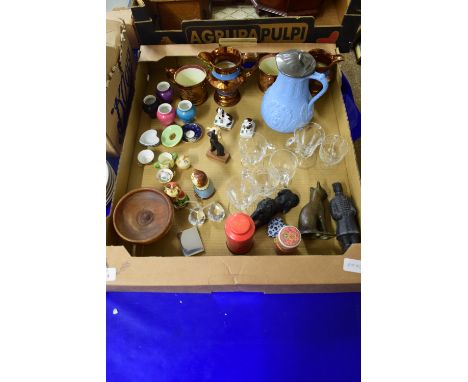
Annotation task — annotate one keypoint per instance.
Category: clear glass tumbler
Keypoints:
(285, 162)
(333, 149)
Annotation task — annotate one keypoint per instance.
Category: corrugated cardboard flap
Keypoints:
(249, 273)
(154, 53)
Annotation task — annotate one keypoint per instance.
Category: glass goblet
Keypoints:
(252, 151)
(267, 179)
(285, 162)
(241, 192)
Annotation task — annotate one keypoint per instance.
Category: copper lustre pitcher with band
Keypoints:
(228, 69)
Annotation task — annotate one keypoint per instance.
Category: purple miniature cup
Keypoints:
(164, 92)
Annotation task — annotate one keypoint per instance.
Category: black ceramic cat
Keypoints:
(268, 208)
(312, 217)
(215, 144)
(344, 213)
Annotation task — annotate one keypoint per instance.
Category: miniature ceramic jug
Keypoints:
(288, 104)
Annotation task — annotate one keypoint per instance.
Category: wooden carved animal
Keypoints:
(215, 145)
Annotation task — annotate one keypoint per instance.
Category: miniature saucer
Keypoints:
(149, 138)
(171, 135)
(164, 175)
(192, 132)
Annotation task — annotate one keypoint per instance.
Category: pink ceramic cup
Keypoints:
(166, 114)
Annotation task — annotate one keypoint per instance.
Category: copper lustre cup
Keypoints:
(190, 80)
(267, 71)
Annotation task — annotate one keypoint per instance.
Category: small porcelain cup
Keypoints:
(186, 111)
(166, 114)
(164, 92)
(145, 157)
(165, 160)
(164, 175)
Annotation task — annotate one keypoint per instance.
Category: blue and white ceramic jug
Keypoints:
(288, 104)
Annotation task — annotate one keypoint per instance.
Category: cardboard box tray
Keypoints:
(317, 266)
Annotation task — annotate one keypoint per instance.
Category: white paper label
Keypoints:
(352, 265)
(111, 274)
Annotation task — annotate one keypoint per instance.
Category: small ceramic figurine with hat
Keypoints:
(202, 186)
(178, 197)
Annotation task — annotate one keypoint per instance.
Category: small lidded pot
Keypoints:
(150, 105)
(183, 162)
(165, 92)
(186, 111)
(166, 114)
(239, 229)
(287, 240)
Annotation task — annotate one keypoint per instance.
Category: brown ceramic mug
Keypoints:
(326, 63)
(267, 71)
(191, 82)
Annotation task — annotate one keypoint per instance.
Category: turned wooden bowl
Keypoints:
(143, 216)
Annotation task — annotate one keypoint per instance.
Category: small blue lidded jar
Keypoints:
(186, 111)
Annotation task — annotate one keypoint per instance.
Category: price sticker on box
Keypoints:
(352, 265)
(111, 274)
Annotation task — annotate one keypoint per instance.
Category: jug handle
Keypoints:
(207, 59)
(170, 74)
(337, 58)
(322, 78)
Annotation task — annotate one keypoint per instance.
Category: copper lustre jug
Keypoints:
(228, 69)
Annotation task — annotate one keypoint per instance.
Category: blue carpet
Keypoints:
(233, 337)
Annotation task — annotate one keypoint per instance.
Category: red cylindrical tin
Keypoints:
(287, 240)
(239, 229)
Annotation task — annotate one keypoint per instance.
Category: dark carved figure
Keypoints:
(215, 145)
(264, 212)
(344, 213)
(312, 217)
(268, 208)
(286, 200)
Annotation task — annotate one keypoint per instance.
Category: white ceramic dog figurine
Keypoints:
(223, 119)
(247, 129)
